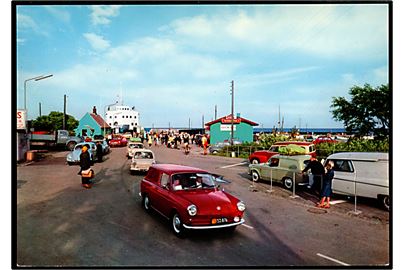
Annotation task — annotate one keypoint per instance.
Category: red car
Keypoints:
(263, 156)
(190, 198)
(118, 140)
(324, 139)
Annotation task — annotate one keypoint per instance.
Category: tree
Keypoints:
(368, 112)
(54, 121)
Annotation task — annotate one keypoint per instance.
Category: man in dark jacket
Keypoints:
(99, 152)
(85, 164)
(317, 171)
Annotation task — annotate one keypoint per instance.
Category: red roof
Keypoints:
(174, 168)
(100, 121)
(236, 120)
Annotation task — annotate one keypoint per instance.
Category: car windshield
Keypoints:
(184, 181)
(143, 155)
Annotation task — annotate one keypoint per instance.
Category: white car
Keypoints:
(132, 146)
(142, 160)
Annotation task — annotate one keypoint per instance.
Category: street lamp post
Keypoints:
(38, 78)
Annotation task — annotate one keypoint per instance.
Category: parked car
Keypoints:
(190, 198)
(142, 160)
(324, 139)
(263, 156)
(281, 169)
(104, 145)
(74, 156)
(132, 146)
(363, 174)
(214, 149)
(118, 140)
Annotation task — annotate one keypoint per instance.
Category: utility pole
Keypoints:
(64, 112)
(232, 94)
(40, 109)
(189, 123)
(203, 121)
(215, 112)
(279, 117)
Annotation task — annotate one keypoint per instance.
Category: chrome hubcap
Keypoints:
(176, 223)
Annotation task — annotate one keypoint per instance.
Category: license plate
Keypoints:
(219, 220)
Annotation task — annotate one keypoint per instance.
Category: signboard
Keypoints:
(21, 119)
(228, 120)
(227, 127)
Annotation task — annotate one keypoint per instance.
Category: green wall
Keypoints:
(243, 132)
(85, 123)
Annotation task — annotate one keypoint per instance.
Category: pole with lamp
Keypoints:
(38, 78)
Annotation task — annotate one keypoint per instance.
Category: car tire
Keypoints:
(70, 146)
(255, 176)
(385, 201)
(146, 203)
(70, 163)
(255, 161)
(288, 183)
(177, 225)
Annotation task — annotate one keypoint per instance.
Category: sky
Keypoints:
(176, 62)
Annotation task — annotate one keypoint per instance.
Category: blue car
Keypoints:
(74, 156)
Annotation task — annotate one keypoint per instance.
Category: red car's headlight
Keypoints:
(192, 210)
(241, 206)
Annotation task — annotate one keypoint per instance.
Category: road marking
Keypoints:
(247, 226)
(331, 259)
(233, 165)
(337, 201)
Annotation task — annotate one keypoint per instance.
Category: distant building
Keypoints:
(220, 129)
(92, 124)
(122, 118)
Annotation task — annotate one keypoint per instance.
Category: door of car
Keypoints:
(162, 195)
(343, 181)
(273, 169)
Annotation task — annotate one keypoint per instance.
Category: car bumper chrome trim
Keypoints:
(214, 226)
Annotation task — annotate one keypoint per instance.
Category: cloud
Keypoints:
(97, 42)
(102, 14)
(322, 30)
(59, 13)
(25, 22)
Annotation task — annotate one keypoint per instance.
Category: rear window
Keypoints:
(143, 155)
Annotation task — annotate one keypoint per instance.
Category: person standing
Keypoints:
(150, 140)
(99, 152)
(327, 185)
(317, 171)
(204, 143)
(85, 170)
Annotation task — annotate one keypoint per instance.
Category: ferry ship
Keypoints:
(122, 118)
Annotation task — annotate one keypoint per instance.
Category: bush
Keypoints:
(323, 150)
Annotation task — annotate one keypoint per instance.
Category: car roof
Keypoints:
(296, 157)
(174, 168)
(366, 156)
(293, 142)
(83, 143)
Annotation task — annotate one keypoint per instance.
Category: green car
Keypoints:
(281, 168)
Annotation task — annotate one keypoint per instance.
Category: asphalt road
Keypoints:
(61, 224)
